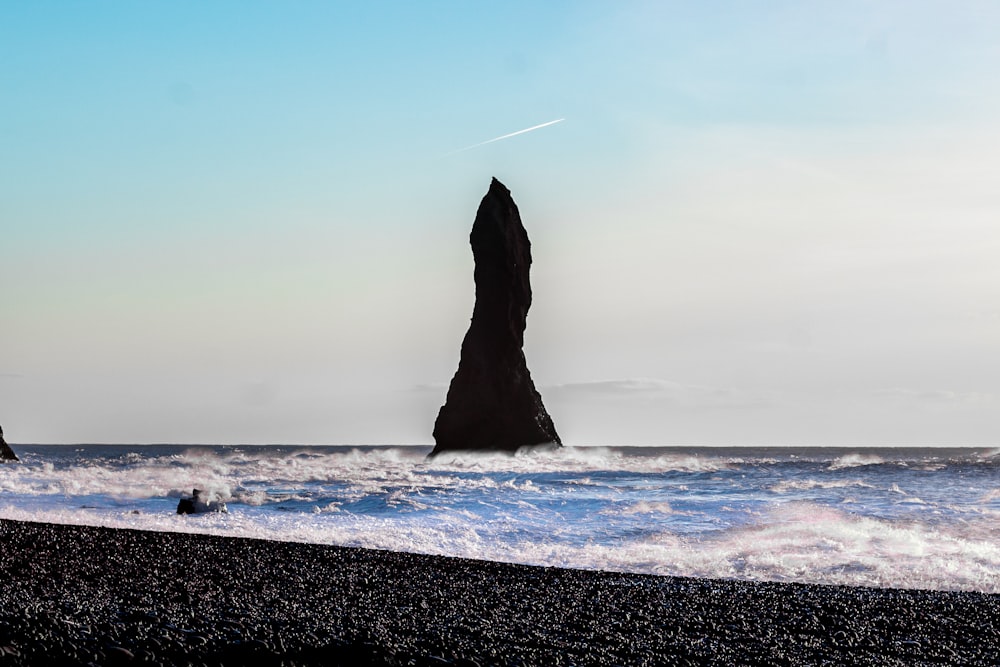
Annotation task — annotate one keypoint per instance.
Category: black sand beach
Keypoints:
(79, 595)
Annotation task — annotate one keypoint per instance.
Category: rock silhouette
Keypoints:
(492, 404)
(6, 453)
(196, 504)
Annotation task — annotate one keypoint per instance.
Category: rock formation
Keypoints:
(197, 504)
(6, 453)
(492, 403)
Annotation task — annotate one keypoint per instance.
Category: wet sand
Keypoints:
(72, 595)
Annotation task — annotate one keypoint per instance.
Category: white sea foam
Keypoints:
(993, 495)
(233, 476)
(597, 509)
(805, 484)
(856, 460)
(579, 460)
(641, 507)
(843, 548)
(797, 542)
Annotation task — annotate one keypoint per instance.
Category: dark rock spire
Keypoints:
(492, 403)
(6, 453)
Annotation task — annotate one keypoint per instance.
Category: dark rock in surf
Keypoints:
(492, 404)
(197, 504)
(6, 453)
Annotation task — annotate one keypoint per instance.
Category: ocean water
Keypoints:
(913, 518)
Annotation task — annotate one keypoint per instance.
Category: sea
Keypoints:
(925, 518)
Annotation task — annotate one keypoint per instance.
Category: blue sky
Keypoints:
(760, 223)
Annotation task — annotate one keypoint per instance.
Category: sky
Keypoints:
(760, 223)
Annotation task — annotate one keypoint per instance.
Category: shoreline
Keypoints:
(79, 594)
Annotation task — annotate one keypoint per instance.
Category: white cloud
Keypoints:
(666, 392)
(939, 396)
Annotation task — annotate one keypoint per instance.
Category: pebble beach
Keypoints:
(79, 595)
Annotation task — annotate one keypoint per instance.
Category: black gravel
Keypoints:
(74, 595)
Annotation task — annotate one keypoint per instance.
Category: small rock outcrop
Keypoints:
(492, 404)
(197, 504)
(6, 453)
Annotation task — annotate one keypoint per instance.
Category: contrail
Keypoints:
(507, 136)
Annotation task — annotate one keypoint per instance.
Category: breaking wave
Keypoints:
(835, 518)
(856, 460)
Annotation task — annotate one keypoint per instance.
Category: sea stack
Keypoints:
(6, 453)
(492, 404)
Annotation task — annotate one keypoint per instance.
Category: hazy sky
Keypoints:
(246, 222)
